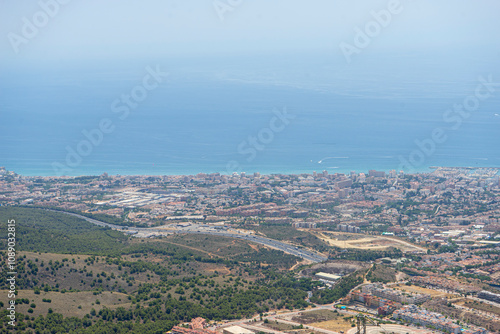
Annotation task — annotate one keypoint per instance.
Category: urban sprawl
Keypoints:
(444, 225)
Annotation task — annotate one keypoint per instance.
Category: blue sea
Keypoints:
(203, 115)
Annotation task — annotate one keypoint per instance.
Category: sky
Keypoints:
(66, 60)
(73, 30)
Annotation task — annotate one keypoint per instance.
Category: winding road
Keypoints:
(289, 249)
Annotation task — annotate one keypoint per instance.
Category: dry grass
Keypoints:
(71, 275)
(336, 325)
(287, 328)
(325, 319)
(418, 289)
(67, 303)
(483, 306)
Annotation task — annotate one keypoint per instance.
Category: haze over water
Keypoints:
(358, 115)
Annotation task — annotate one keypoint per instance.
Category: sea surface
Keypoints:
(201, 117)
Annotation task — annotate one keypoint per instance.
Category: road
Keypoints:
(259, 326)
(289, 249)
(396, 329)
(305, 254)
(284, 317)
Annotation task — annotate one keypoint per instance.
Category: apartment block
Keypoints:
(395, 295)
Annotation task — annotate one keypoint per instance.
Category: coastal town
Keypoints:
(427, 208)
(438, 233)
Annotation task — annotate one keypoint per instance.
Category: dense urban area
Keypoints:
(242, 254)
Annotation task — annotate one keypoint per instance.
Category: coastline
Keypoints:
(192, 171)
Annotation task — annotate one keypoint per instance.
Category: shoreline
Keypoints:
(426, 170)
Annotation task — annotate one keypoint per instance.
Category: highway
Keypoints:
(230, 233)
(302, 253)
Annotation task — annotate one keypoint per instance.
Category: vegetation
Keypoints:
(365, 255)
(381, 273)
(287, 232)
(340, 290)
(47, 231)
(165, 281)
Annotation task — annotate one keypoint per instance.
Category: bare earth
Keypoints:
(417, 289)
(360, 241)
(336, 325)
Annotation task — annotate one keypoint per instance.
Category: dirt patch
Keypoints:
(254, 247)
(315, 316)
(360, 241)
(288, 328)
(299, 264)
(325, 319)
(336, 325)
(417, 289)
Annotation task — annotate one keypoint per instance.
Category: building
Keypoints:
(441, 283)
(395, 295)
(328, 277)
(344, 183)
(386, 309)
(304, 225)
(494, 297)
(383, 306)
(348, 228)
(422, 317)
(375, 173)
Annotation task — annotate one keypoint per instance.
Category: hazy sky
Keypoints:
(353, 66)
(96, 29)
